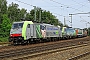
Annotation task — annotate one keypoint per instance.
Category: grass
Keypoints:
(5, 39)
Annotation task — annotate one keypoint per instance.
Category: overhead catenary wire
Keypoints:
(82, 5)
(62, 6)
(34, 6)
(65, 5)
(50, 0)
(54, 6)
(76, 3)
(51, 4)
(24, 3)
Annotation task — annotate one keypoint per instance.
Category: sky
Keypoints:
(61, 9)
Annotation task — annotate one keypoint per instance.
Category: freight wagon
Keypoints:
(79, 32)
(85, 33)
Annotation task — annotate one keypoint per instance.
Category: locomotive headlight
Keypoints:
(11, 35)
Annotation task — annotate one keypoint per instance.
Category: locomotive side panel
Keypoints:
(30, 31)
(52, 31)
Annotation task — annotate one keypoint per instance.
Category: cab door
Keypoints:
(32, 30)
(28, 31)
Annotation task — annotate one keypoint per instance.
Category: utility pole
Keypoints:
(39, 14)
(86, 25)
(34, 13)
(64, 21)
(77, 14)
(71, 19)
(35, 9)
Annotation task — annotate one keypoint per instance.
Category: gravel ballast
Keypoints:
(63, 55)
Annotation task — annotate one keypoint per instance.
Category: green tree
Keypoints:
(46, 17)
(32, 14)
(60, 24)
(6, 25)
(3, 8)
(13, 12)
(23, 13)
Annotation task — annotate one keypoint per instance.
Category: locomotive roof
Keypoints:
(22, 21)
(35, 23)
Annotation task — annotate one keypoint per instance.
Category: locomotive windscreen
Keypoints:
(17, 25)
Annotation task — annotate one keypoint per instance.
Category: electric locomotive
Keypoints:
(27, 31)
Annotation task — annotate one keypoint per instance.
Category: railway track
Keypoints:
(79, 56)
(11, 47)
(4, 44)
(39, 49)
(47, 52)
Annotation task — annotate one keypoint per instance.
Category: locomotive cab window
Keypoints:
(60, 28)
(42, 27)
(17, 25)
(20, 25)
